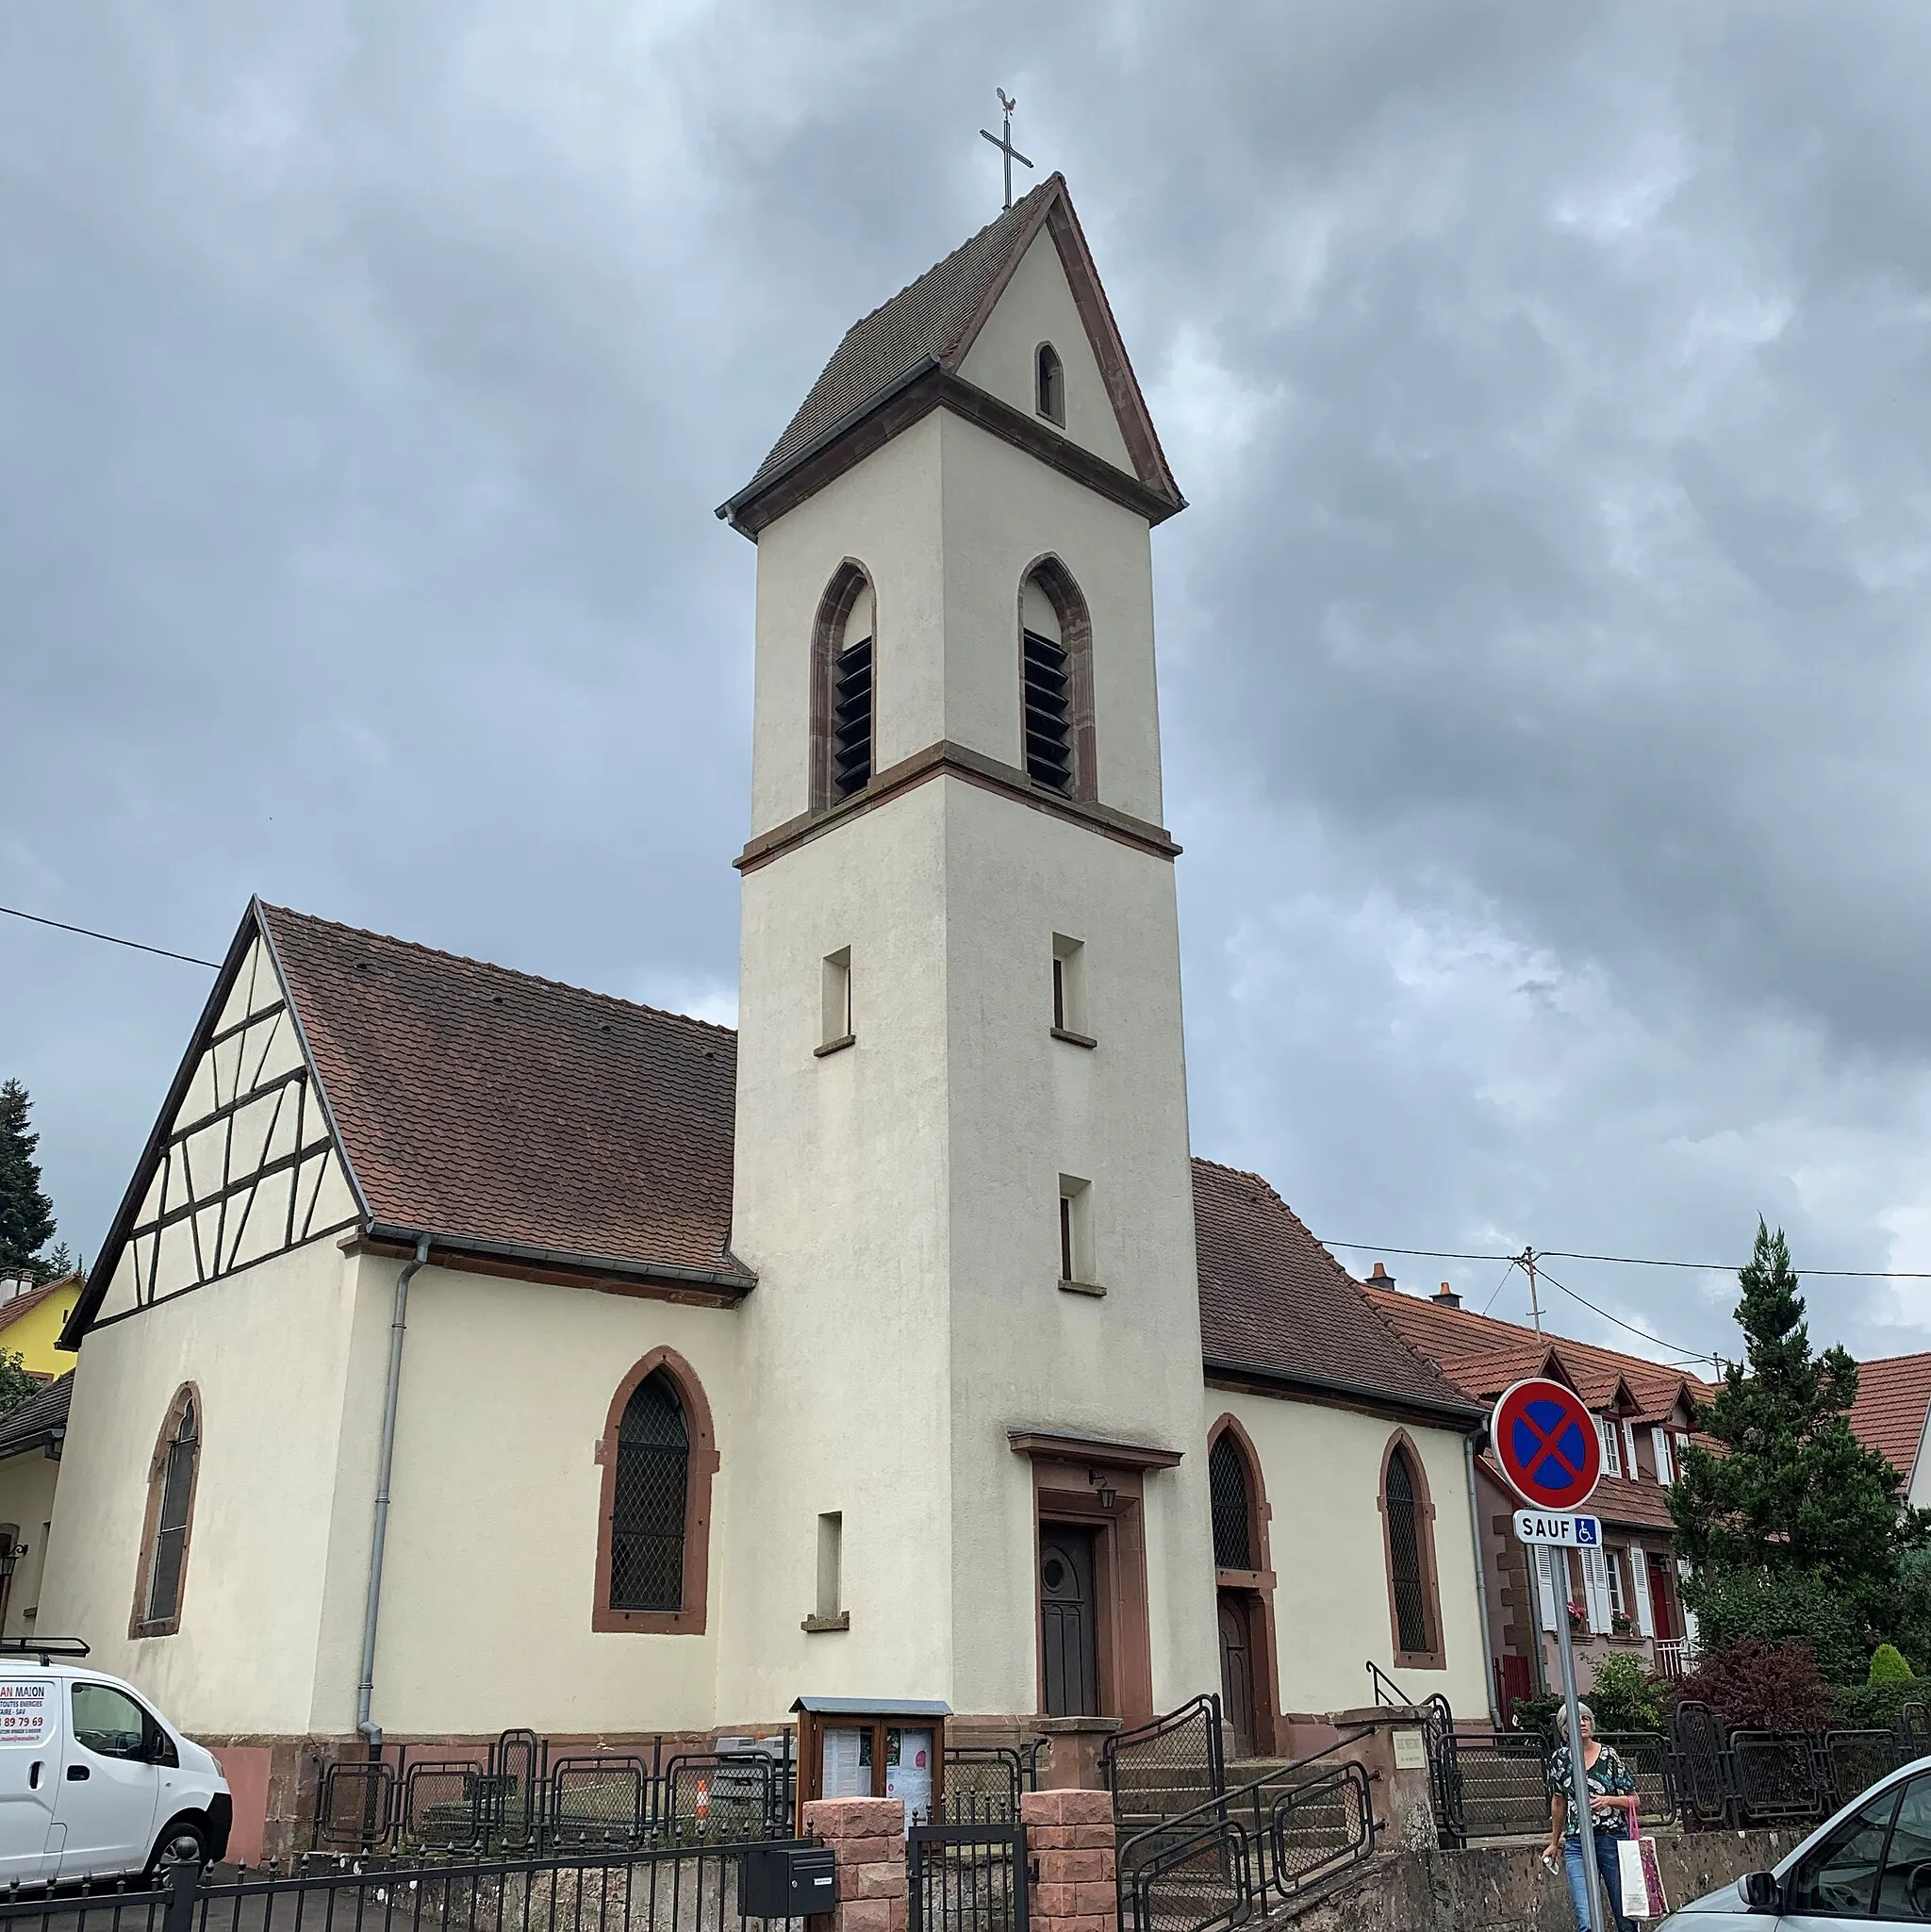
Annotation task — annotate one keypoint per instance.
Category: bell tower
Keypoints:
(970, 1469)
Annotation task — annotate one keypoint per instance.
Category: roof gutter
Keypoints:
(728, 511)
(372, 1608)
(1459, 1415)
(742, 1279)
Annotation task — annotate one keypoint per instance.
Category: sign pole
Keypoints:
(1599, 1919)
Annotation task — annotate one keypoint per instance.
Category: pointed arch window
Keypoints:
(1050, 378)
(174, 1474)
(1408, 1518)
(658, 1455)
(1233, 1505)
(1056, 682)
(843, 688)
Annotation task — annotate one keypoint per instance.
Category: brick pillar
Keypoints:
(1069, 1837)
(866, 1837)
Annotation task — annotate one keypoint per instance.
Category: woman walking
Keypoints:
(1613, 1804)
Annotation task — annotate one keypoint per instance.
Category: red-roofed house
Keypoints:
(1891, 1415)
(1626, 1596)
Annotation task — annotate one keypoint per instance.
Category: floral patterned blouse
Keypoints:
(1608, 1777)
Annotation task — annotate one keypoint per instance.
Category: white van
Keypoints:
(93, 1783)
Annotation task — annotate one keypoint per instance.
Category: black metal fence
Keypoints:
(1495, 1784)
(1167, 1767)
(966, 1878)
(1736, 1777)
(691, 1889)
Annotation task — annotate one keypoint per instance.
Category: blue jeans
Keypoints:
(1610, 1866)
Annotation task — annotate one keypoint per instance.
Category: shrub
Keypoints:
(1875, 1706)
(1887, 1665)
(1756, 1686)
(1784, 1609)
(1541, 1713)
(1625, 1698)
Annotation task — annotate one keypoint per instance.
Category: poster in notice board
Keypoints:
(908, 1770)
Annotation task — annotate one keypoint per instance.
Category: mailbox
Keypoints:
(787, 1881)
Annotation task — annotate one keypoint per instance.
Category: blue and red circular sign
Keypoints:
(1546, 1443)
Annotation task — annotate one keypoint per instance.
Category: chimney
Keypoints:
(1380, 1278)
(1444, 1296)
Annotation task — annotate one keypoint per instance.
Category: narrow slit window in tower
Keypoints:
(1052, 386)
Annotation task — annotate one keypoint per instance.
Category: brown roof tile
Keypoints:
(34, 1423)
(1482, 1356)
(491, 1106)
(1273, 1299)
(925, 319)
(1893, 1395)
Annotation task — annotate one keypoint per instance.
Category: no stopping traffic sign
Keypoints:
(1546, 1443)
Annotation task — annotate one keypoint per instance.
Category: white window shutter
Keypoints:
(1690, 1629)
(1546, 1586)
(1665, 1465)
(1629, 1462)
(1639, 1572)
(1612, 1454)
(1595, 1591)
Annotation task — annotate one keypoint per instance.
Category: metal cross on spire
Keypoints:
(1003, 141)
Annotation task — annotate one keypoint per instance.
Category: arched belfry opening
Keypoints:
(843, 650)
(1050, 378)
(1056, 682)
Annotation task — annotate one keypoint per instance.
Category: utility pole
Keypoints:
(1526, 1262)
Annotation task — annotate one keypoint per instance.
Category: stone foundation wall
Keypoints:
(1506, 1888)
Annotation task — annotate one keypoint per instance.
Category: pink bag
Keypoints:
(1642, 1880)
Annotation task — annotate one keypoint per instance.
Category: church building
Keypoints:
(473, 1351)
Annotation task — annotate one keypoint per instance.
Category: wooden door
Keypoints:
(1661, 1604)
(1237, 1669)
(1068, 1626)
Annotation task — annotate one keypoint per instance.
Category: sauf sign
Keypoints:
(1545, 1443)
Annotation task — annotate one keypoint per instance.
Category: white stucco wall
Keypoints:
(842, 1204)
(26, 1500)
(488, 1585)
(1322, 1468)
(268, 1350)
(1038, 306)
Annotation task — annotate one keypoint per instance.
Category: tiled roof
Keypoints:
(1616, 1500)
(491, 1106)
(925, 319)
(1482, 1356)
(30, 1425)
(23, 1305)
(1273, 1299)
(1893, 1395)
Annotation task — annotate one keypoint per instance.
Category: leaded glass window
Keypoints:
(646, 1520)
(1404, 1557)
(171, 1520)
(1226, 1484)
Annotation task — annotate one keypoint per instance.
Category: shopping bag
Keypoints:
(1642, 1881)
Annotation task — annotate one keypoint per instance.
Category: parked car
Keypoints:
(1868, 1865)
(93, 1782)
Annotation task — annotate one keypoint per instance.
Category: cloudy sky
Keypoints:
(1545, 689)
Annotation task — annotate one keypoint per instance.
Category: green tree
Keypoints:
(16, 1384)
(27, 1215)
(1789, 1506)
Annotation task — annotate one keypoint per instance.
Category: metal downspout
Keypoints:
(1481, 1582)
(371, 1611)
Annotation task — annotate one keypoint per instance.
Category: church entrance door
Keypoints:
(1237, 1669)
(1069, 1622)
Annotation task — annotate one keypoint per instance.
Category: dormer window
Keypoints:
(1051, 393)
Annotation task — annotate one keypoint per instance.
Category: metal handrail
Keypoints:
(1357, 1851)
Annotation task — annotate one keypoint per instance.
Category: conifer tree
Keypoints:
(1791, 1507)
(27, 1215)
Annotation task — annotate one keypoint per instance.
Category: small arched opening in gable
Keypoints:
(1050, 385)
(843, 657)
(1056, 682)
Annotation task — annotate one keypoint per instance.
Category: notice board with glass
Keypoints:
(852, 1747)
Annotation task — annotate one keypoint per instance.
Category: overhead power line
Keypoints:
(1674, 1349)
(1628, 1261)
(111, 939)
